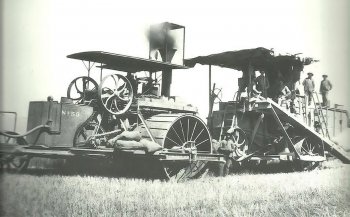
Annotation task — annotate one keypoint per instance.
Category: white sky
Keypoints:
(37, 35)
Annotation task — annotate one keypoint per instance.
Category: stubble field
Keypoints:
(322, 192)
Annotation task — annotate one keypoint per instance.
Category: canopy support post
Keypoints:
(210, 101)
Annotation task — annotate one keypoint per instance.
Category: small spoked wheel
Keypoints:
(239, 140)
(82, 89)
(306, 146)
(12, 162)
(85, 135)
(116, 94)
(217, 94)
(15, 163)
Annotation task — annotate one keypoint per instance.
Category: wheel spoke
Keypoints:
(304, 150)
(308, 146)
(194, 129)
(114, 102)
(173, 141)
(188, 127)
(234, 139)
(121, 88)
(182, 130)
(109, 98)
(177, 134)
(199, 134)
(237, 134)
(312, 150)
(202, 142)
(105, 95)
(121, 98)
(84, 84)
(115, 81)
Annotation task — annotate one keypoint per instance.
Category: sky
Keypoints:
(37, 35)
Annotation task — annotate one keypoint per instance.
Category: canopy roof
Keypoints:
(124, 63)
(237, 60)
(286, 67)
(259, 58)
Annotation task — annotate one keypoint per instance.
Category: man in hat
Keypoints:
(309, 87)
(325, 87)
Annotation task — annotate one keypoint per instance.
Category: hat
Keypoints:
(325, 76)
(310, 73)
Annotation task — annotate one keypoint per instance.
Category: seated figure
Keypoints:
(284, 95)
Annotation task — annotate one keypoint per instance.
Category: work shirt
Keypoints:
(309, 85)
(262, 83)
(325, 86)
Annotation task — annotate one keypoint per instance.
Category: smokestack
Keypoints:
(162, 39)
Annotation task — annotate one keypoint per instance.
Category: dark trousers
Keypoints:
(227, 165)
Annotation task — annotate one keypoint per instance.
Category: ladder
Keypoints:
(320, 114)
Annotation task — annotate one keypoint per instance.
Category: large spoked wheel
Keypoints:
(13, 162)
(82, 89)
(181, 133)
(116, 94)
(240, 141)
(307, 147)
(188, 133)
(85, 136)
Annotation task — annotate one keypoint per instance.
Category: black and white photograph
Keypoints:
(174, 108)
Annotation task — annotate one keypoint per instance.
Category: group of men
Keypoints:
(309, 88)
(262, 84)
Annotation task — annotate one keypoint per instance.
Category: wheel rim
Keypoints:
(80, 88)
(115, 93)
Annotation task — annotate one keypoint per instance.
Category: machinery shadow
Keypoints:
(123, 168)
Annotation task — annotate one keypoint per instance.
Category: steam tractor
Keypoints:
(122, 115)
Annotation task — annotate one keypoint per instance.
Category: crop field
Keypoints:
(322, 192)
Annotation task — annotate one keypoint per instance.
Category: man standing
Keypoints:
(262, 83)
(309, 87)
(325, 87)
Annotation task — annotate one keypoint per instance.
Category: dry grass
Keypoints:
(324, 192)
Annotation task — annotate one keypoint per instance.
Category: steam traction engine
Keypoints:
(121, 115)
